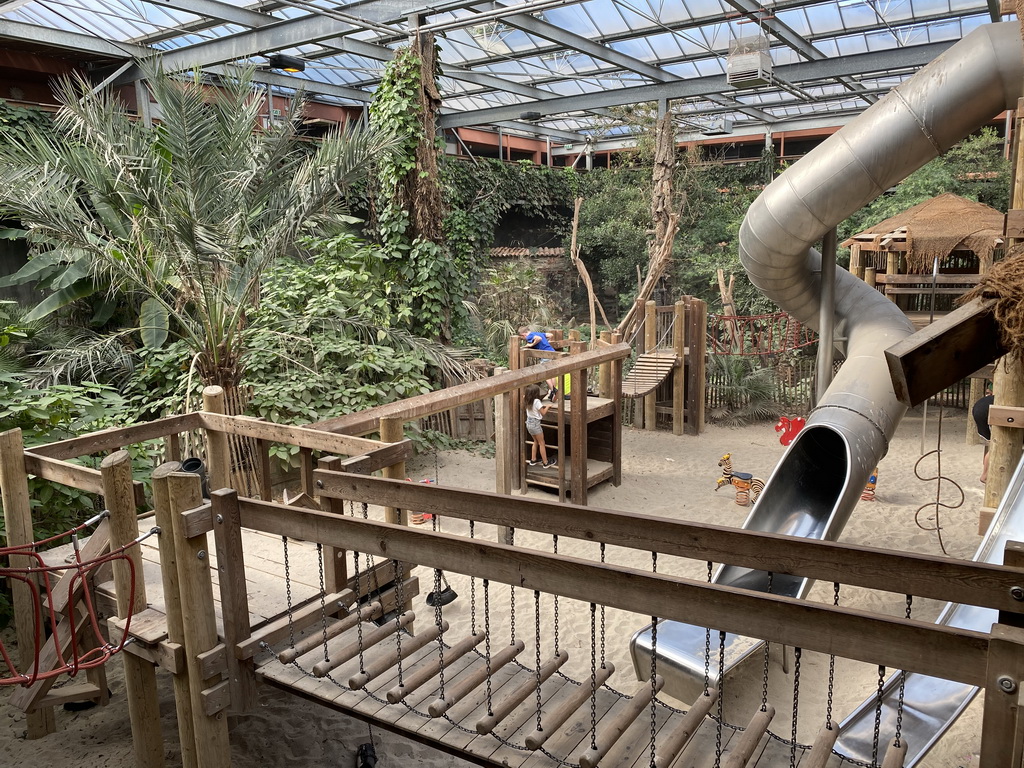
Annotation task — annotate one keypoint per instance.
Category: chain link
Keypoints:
(472, 587)
(593, 676)
(603, 665)
(288, 592)
(707, 650)
(903, 684)
(440, 632)
(512, 595)
(487, 639)
(536, 641)
(554, 549)
(399, 610)
(721, 683)
(831, 665)
(767, 646)
(797, 653)
(323, 596)
(878, 716)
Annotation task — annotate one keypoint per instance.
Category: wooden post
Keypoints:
(392, 430)
(616, 395)
(506, 453)
(335, 562)
(604, 386)
(1006, 449)
(578, 428)
(516, 428)
(696, 377)
(218, 454)
(856, 261)
(139, 674)
(172, 447)
(198, 619)
(651, 344)
(869, 278)
(234, 597)
(172, 612)
(1002, 734)
(640, 338)
(263, 471)
(18, 524)
(679, 374)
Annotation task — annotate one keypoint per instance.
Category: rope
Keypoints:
(79, 572)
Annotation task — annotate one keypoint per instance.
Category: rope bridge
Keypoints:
(472, 681)
(649, 371)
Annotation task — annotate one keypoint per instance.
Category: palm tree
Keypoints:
(183, 217)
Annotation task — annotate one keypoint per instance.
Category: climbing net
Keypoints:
(65, 625)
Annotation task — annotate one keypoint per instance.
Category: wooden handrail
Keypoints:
(940, 651)
(941, 578)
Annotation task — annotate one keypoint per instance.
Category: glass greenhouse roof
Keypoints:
(546, 67)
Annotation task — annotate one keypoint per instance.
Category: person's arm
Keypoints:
(532, 340)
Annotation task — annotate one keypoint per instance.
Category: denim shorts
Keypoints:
(533, 426)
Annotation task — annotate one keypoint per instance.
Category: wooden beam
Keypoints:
(923, 575)
(948, 652)
(1006, 416)
(74, 475)
(462, 394)
(112, 439)
(304, 437)
(943, 353)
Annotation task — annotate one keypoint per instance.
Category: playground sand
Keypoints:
(662, 475)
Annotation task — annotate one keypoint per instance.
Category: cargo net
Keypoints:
(66, 627)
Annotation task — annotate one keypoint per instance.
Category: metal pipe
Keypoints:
(826, 336)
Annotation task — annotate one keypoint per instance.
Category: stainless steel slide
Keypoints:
(819, 480)
(931, 704)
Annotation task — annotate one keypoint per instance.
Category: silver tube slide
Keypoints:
(817, 483)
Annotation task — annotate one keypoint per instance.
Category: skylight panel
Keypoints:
(607, 18)
(856, 13)
(710, 67)
(572, 19)
(796, 19)
(852, 44)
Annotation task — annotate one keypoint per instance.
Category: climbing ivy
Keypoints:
(17, 122)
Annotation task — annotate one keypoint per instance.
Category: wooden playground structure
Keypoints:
(316, 598)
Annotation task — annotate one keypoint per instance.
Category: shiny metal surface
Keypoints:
(932, 704)
(819, 479)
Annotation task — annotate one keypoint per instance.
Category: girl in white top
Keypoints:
(535, 410)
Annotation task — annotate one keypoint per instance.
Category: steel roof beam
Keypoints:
(846, 66)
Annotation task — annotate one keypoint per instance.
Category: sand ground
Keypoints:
(662, 475)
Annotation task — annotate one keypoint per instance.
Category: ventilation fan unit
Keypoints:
(717, 127)
(748, 63)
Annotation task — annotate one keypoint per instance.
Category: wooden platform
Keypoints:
(597, 408)
(547, 477)
(456, 734)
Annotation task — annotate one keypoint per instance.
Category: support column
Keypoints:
(679, 372)
(172, 612)
(18, 525)
(651, 345)
(218, 453)
(506, 452)
(392, 430)
(198, 619)
(139, 674)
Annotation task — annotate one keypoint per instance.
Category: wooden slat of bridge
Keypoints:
(631, 751)
(650, 370)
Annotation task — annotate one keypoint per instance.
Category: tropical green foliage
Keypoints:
(510, 295)
(182, 219)
(745, 388)
(18, 123)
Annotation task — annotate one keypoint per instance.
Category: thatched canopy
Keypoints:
(936, 228)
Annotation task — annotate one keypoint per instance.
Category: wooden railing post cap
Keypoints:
(117, 457)
(165, 469)
(213, 390)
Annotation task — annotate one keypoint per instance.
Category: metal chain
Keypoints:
(288, 592)
(440, 632)
(903, 683)
(878, 715)
(603, 665)
(399, 610)
(512, 595)
(721, 683)
(487, 639)
(831, 665)
(536, 640)
(797, 653)
(707, 649)
(554, 549)
(593, 676)
(323, 596)
(654, 669)
(359, 623)
(767, 645)
(472, 588)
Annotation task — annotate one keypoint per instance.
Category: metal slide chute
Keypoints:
(819, 479)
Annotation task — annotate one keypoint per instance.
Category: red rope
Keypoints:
(78, 659)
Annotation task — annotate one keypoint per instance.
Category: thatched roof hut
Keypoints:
(934, 229)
